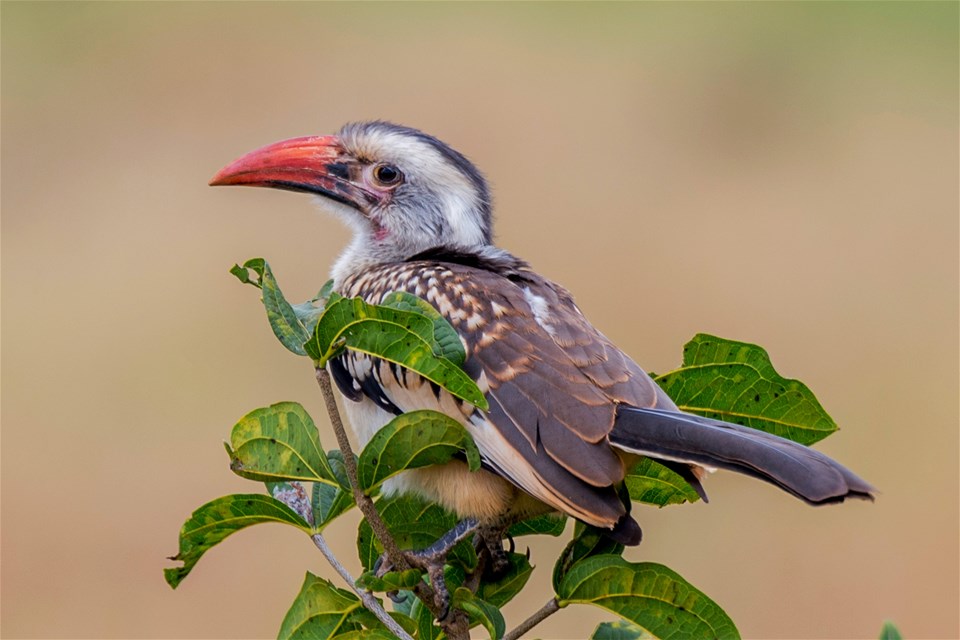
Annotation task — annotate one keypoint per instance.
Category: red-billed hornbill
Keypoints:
(569, 411)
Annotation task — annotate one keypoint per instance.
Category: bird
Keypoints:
(569, 412)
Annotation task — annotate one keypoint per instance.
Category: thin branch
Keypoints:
(539, 616)
(371, 603)
(350, 464)
(297, 499)
(455, 623)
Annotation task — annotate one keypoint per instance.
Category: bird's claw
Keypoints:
(431, 560)
(490, 540)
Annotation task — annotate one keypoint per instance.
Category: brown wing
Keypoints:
(554, 382)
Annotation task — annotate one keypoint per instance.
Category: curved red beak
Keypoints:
(315, 164)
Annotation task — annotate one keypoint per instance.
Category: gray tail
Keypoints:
(685, 438)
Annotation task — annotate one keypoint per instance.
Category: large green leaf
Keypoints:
(415, 524)
(647, 594)
(401, 337)
(650, 482)
(446, 341)
(411, 440)
(620, 630)
(503, 589)
(426, 628)
(735, 382)
(320, 611)
(216, 520)
(551, 524)
(278, 443)
(480, 611)
(587, 541)
(283, 319)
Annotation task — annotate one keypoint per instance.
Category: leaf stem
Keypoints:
(371, 603)
(539, 616)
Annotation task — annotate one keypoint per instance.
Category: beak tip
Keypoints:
(221, 178)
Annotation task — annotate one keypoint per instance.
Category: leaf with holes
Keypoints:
(411, 440)
(278, 443)
(650, 482)
(648, 595)
(401, 337)
(736, 382)
(219, 518)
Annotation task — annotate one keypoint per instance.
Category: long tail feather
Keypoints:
(685, 438)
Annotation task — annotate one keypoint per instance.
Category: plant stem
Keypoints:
(350, 464)
(455, 624)
(539, 616)
(369, 601)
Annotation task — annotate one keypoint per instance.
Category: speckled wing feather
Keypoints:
(554, 382)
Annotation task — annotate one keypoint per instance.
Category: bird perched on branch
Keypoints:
(568, 411)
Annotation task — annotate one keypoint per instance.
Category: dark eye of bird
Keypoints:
(387, 174)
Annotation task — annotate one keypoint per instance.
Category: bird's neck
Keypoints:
(362, 255)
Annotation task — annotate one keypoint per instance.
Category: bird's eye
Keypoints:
(387, 175)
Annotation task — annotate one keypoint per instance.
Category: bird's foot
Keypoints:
(489, 540)
(432, 560)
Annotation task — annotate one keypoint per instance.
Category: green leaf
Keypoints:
(320, 610)
(551, 524)
(483, 612)
(243, 273)
(587, 541)
(890, 632)
(310, 311)
(330, 501)
(504, 589)
(620, 630)
(366, 634)
(401, 337)
(278, 443)
(426, 628)
(219, 518)
(647, 594)
(652, 483)
(390, 581)
(446, 341)
(415, 524)
(372, 623)
(735, 382)
(283, 319)
(411, 440)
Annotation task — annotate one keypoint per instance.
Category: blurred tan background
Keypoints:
(780, 173)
